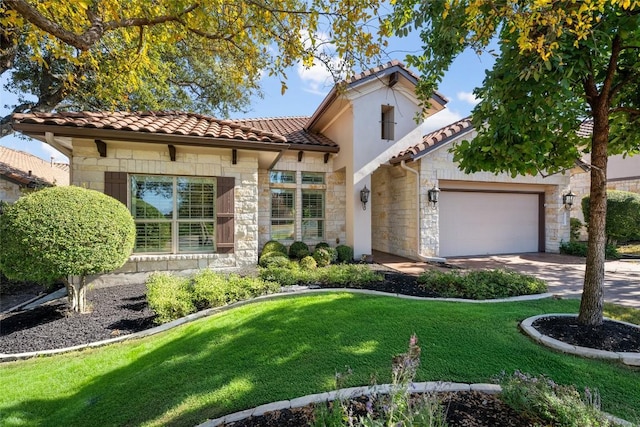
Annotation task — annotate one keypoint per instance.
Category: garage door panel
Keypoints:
(480, 223)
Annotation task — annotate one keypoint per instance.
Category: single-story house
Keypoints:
(20, 171)
(209, 193)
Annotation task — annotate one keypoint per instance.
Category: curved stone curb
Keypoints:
(352, 392)
(348, 393)
(628, 358)
(292, 291)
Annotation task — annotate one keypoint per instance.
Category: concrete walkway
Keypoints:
(563, 273)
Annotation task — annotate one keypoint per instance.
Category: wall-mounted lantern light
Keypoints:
(364, 197)
(567, 199)
(433, 194)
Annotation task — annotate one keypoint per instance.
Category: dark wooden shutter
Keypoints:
(115, 185)
(225, 212)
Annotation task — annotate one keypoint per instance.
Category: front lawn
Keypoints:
(289, 347)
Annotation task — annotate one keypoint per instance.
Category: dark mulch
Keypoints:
(468, 409)
(610, 336)
(115, 311)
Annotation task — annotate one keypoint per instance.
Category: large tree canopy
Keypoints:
(561, 62)
(169, 54)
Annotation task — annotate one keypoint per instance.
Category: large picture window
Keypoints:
(297, 205)
(173, 214)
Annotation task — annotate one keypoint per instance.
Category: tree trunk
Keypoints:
(77, 293)
(591, 304)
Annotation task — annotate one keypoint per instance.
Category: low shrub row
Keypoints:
(276, 254)
(346, 275)
(172, 297)
(481, 284)
(580, 249)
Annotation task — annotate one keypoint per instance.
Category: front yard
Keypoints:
(285, 348)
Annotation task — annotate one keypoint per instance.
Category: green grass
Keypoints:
(290, 347)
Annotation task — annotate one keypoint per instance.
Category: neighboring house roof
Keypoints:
(292, 128)
(433, 140)
(586, 129)
(379, 72)
(171, 127)
(28, 170)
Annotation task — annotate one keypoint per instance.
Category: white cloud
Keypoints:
(318, 79)
(468, 97)
(440, 119)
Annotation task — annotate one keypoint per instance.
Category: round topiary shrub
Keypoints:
(322, 257)
(333, 254)
(308, 263)
(345, 253)
(274, 246)
(273, 259)
(298, 250)
(61, 232)
(322, 245)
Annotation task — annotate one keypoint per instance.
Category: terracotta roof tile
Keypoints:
(586, 129)
(378, 69)
(168, 122)
(433, 139)
(26, 168)
(292, 128)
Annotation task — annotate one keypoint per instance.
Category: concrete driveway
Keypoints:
(563, 273)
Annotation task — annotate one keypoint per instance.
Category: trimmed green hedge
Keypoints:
(481, 284)
(623, 215)
(348, 275)
(172, 297)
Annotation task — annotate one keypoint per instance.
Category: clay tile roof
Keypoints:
(378, 69)
(586, 129)
(27, 169)
(434, 139)
(165, 122)
(292, 128)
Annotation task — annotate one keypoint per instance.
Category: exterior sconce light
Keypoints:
(433, 194)
(364, 197)
(567, 199)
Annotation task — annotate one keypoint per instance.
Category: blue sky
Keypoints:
(307, 88)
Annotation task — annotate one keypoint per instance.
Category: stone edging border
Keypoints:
(287, 292)
(347, 393)
(628, 358)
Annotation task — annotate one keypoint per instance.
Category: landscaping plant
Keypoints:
(322, 257)
(481, 284)
(345, 253)
(298, 250)
(65, 233)
(274, 246)
(348, 275)
(172, 297)
(623, 215)
(553, 404)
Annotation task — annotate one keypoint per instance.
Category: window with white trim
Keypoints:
(174, 214)
(297, 205)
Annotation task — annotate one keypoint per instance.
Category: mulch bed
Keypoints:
(463, 409)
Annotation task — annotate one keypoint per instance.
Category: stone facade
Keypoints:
(335, 194)
(394, 214)
(87, 170)
(9, 191)
(395, 209)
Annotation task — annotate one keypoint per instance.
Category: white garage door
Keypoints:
(480, 223)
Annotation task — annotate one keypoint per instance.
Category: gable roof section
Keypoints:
(171, 127)
(434, 140)
(378, 72)
(26, 169)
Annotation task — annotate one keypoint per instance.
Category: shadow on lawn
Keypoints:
(288, 348)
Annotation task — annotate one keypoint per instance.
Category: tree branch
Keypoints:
(97, 29)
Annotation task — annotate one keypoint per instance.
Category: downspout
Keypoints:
(418, 204)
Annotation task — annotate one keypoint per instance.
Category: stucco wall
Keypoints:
(88, 171)
(439, 165)
(334, 187)
(9, 191)
(394, 213)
